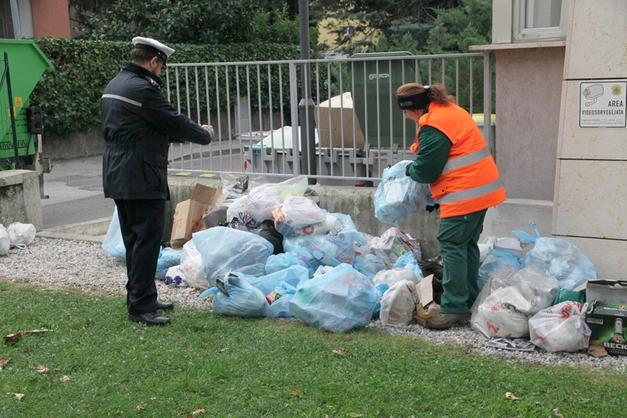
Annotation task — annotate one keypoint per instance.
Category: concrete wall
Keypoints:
(19, 198)
(528, 92)
(592, 162)
(355, 201)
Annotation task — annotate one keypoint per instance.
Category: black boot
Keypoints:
(149, 318)
(165, 306)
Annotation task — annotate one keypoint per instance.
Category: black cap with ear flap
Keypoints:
(415, 102)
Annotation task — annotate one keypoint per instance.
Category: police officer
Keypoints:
(138, 124)
(455, 159)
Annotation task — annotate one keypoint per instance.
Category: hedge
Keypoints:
(69, 96)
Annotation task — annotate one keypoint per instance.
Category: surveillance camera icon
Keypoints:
(592, 93)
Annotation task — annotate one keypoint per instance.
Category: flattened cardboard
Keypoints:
(425, 291)
(188, 214)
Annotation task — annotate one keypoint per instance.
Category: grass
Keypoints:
(238, 367)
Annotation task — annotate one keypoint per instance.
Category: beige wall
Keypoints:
(528, 86)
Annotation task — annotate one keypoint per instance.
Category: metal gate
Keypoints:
(328, 118)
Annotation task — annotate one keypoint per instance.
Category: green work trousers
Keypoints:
(458, 237)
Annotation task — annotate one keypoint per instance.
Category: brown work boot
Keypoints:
(431, 317)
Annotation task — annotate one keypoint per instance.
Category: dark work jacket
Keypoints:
(138, 125)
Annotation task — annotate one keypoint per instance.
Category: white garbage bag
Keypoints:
(297, 213)
(393, 276)
(503, 314)
(21, 234)
(191, 267)
(560, 328)
(399, 303)
(5, 241)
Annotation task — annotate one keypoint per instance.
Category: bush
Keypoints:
(69, 95)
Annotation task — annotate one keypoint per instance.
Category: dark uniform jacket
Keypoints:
(138, 124)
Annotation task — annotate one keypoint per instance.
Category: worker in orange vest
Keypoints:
(455, 159)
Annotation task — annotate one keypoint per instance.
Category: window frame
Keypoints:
(523, 34)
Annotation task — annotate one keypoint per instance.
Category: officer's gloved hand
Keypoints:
(431, 208)
(209, 129)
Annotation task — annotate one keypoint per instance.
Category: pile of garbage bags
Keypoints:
(16, 235)
(524, 281)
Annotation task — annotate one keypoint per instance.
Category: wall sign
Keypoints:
(602, 104)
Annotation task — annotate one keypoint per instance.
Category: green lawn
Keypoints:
(250, 368)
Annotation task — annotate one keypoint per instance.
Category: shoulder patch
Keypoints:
(152, 82)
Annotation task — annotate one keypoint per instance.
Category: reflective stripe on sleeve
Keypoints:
(122, 98)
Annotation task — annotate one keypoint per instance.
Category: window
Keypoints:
(6, 20)
(540, 19)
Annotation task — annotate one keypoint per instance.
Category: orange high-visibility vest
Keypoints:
(470, 181)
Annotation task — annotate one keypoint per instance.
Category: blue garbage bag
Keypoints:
(497, 261)
(398, 196)
(338, 301)
(168, 257)
(282, 261)
(224, 250)
(381, 288)
(557, 257)
(292, 275)
(280, 308)
(369, 265)
(113, 243)
(317, 250)
(238, 298)
(342, 225)
(408, 261)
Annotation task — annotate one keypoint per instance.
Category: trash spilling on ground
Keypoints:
(16, 235)
(269, 250)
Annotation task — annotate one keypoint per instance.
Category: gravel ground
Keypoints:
(57, 263)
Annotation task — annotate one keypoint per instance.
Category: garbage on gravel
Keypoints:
(16, 235)
(270, 251)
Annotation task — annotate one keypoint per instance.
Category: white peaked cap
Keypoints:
(164, 49)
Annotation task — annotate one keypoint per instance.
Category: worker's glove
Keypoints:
(431, 208)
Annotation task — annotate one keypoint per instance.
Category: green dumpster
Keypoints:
(375, 103)
(26, 65)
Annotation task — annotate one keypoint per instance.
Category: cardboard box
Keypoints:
(334, 117)
(188, 214)
(607, 319)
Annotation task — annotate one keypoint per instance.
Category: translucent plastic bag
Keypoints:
(343, 226)
(392, 244)
(292, 276)
(398, 303)
(504, 313)
(381, 288)
(369, 265)
(174, 276)
(398, 196)
(168, 257)
(282, 261)
(238, 298)
(497, 261)
(560, 328)
(192, 268)
(5, 241)
(393, 276)
(558, 258)
(224, 250)
(408, 261)
(341, 300)
(316, 250)
(297, 215)
(280, 306)
(113, 243)
(21, 234)
(257, 206)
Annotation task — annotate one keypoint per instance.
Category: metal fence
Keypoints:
(330, 118)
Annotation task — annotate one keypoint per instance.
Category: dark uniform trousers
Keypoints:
(458, 237)
(142, 223)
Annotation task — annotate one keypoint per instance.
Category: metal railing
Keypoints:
(325, 118)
